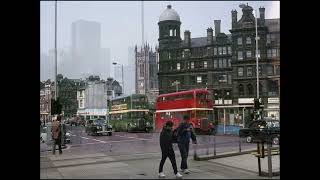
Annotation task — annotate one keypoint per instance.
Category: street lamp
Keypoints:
(115, 63)
(257, 55)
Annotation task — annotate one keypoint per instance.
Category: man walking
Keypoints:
(167, 149)
(185, 132)
(56, 135)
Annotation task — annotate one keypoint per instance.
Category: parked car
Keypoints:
(45, 135)
(266, 130)
(98, 127)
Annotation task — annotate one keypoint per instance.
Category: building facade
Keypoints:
(46, 94)
(244, 59)
(147, 72)
(93, 97)
(222, 63)
(86, 48)
(67, 93)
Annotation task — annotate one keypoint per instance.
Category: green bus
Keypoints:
(130, 114)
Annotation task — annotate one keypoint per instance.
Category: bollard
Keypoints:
(239, 144)
(214, 145)
(269, 160)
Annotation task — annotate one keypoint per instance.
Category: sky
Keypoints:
(121, 20)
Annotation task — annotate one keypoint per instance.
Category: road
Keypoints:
(122, 143)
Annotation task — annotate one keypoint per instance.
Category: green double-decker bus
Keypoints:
(130, 114)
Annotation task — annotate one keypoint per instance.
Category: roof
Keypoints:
(169, 15)
(273, 25)
(202, 41)
(183, 92)
(125, 96)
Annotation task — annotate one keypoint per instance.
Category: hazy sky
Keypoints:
(121, 20)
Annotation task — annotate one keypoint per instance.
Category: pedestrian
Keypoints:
(167, 149)
(56, 135)
(185, 132)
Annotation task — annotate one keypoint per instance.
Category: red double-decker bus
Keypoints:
(196, 103)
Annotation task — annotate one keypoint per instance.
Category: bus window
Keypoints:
(162, 115)
(201, 96)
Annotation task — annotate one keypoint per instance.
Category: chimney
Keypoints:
(217, 27)
(187, 37)
(209, 35)
(234, 18)
(262, 14)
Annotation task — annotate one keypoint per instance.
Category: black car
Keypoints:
(98, 127)
(265, 130)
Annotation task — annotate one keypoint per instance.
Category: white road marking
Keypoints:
(133, 137)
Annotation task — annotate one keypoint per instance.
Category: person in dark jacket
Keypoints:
(167, 149)
(56, 135)
(185, 132)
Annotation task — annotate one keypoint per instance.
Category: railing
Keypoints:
(122, 143)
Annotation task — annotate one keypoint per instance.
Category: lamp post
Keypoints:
(115, 63)
(257, 62)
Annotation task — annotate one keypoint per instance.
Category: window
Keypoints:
(224, 63)
(215, 51)
(192, 65)
(239, 41)
(229, 62)
(224, 50)
(249, 71)
(229, 50)
(215, 64)
(240, 57)
(249, 54)
(270, 70)
(209, 51)
(178, 66)
(229, 79)
(240, 71)
(223, 78)
(220, 50)
(241, 90)
(271, 38)
(277, 69)
(272, 53)
(248, 40)
(175, 32)
(199, 79)
(220, 63)
(169, 55)
(250, 89)
(205, 64)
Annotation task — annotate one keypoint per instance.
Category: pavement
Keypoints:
(145, 166)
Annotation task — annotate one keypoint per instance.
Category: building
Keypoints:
(86, 47)
(244, 59)
(46, 94)
(222, 63)
(47, 65)
(67, 93)
(93, 97)
(146, 72)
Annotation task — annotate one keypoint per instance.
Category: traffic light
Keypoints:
(56, 107)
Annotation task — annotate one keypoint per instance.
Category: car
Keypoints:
(45, 135)
(265, 130)
(98, 127)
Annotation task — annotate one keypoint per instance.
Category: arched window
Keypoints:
(241, 90)
(250, 89)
